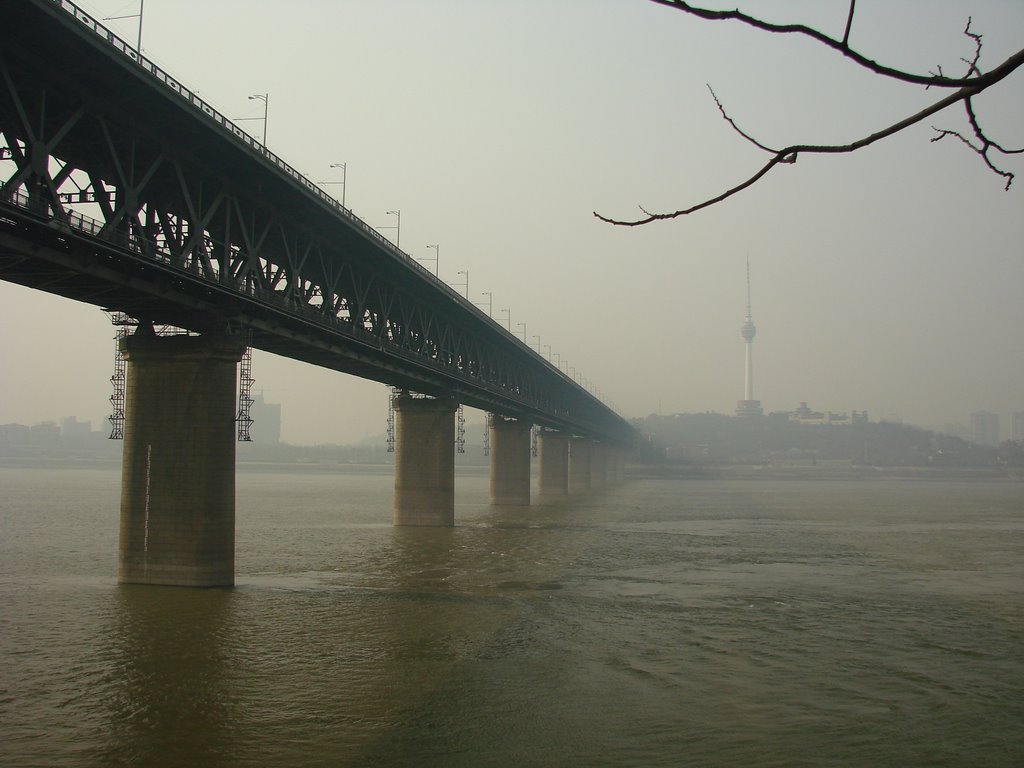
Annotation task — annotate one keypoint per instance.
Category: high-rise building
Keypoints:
(1018, 426)
(985, 428)
(748, 406)
(266, 421)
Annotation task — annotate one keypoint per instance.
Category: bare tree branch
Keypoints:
(790, 153)
(974, 83)
(985, 143)
(936, 80)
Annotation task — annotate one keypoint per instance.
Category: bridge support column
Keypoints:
(579, 464)
(178, 470)
(424, 461)
(614, 466)
(598, 465)
(553, 463)
(510, 461)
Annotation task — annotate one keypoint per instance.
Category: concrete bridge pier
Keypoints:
(598, 464)
(619, 466)
(178, 469)
(424, 461)
(552, 463)
(509, 460)
(579, 464)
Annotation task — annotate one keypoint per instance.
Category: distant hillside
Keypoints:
(717, 439)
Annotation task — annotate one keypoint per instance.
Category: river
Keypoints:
(661, 622)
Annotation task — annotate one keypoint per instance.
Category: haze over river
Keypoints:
(667, 622)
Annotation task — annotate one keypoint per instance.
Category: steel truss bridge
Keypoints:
(120, 187)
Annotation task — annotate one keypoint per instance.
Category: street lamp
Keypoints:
(344, 179)
(523, 326)
(490, 302)
(466, 273)
(437, 257)
(142, 5)
(508, 319)
(265, 98)
(548, 348)
(538, 342)
(398, 228)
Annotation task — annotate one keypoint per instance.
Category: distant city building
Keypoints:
(956, 430)
(45, 433)
(748, 406)
(266, 421)
(1018, 426)
(804, 415)
(14, 434)
(75, 431)
(985, 428)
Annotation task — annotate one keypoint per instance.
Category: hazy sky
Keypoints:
(890, 280)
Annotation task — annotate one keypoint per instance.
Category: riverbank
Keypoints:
(821, 471)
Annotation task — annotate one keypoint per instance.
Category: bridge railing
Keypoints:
(242, 136)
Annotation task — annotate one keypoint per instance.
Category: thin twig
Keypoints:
(849, 24)
(736, 128)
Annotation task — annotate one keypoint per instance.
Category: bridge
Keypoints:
(120, 187)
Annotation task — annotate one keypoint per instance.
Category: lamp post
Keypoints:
(343, 182)
(398, 227)
(142, 6)
(466, 284)
(538, 342)
(508, 319)
(490, 302)
(523, 326)
(548, 348)
(437, 257)
(265, 98)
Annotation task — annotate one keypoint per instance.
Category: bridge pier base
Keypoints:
(552, 463)
(509, 460)
(178, 469)
(579, 465)
(424, 461)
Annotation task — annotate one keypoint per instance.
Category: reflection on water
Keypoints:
(169, 698)
(658, 623)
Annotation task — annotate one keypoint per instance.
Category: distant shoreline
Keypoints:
(819, 472)
(822, 471)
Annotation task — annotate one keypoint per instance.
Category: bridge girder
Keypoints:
(119, 191)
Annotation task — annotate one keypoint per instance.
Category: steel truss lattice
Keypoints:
(121, 187)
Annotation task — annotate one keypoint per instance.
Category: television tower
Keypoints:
(748, 406)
